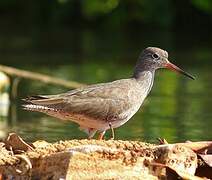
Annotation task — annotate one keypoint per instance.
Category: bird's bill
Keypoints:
(172, 67)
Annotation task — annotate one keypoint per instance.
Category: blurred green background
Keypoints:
(98, 41)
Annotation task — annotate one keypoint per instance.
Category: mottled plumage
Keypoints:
(101, 106)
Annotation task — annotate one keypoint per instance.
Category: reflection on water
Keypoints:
(177, 109)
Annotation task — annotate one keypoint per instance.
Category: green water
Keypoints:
(177, 108)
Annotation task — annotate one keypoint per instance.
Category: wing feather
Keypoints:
(97, 101)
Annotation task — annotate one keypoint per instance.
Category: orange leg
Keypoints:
(101, 135)
(91, 133)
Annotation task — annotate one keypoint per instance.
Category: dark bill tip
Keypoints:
(177, 69)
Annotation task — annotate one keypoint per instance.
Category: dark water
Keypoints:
(177, 108)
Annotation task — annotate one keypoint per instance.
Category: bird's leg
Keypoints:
(101, 135)
(91, 133)
(112, 130)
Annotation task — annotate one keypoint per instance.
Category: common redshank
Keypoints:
(99, 107)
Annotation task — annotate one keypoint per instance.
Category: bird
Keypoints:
(99, 107)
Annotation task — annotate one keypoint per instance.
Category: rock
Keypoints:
(94, 159)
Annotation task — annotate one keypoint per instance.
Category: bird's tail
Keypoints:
(34, 107)
(41, 103)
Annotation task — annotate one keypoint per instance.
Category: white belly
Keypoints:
(125, 116)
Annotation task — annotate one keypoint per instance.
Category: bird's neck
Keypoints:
(145, 78)
(141, 73)
(142, 67)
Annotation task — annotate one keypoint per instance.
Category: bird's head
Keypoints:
(153, 58)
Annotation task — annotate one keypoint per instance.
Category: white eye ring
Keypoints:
(155, 56)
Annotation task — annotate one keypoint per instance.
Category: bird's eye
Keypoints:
(155, 56)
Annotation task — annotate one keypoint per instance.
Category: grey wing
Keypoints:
(102, 101)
